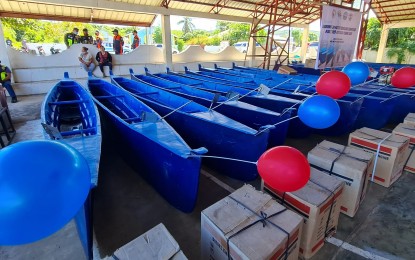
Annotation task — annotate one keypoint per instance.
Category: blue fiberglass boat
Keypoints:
(271, 102)
(150, 145)
(200, 126)
(247, 114)
(69, 115)
(348, 110)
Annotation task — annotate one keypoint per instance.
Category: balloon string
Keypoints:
(361, 97)
(296, 103)
(271, 126)
(364, 83)
(223, 158)
(402, 94)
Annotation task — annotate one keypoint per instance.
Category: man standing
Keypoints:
(98, 40)
(136, 40)
(71, 38)
(86, 38)
(117, 42)
(5, 80)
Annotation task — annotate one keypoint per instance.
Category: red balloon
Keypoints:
(335, 84)
(403, 78)
(284, 168)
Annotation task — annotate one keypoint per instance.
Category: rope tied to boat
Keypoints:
(264, 219)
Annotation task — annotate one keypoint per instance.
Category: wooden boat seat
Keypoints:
(69, 102)
(148, 93)
(108, 97)
(78, 131)
(131, 119)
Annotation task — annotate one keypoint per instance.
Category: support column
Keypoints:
(304, 42)
(4, 57)
(252, 47)
(382, 43)
(166, 34)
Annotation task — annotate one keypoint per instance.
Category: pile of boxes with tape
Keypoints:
(250, 224)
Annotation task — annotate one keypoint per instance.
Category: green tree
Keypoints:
(297, 35)
(373, 31)
(180, 44)
(188, 26)
(312, 37)
(157, 37)
(401, 51)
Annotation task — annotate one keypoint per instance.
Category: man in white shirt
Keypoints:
(86, 59)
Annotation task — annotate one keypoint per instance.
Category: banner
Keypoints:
(338, 37)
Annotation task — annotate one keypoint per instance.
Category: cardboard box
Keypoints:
(392, 152)
(157, 243)
(408, 131)
(283, 69)
(310, 63)
(233, 224)
(318, 203)
(348, 164)
(410, 119)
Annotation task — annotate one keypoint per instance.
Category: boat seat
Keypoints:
(108, 97)
(148, 93)
(69, 102)
(131, 119)
(78, 131)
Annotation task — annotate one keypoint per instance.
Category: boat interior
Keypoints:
(70, 111)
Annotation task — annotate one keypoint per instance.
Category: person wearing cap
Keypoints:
(104, 59)
(86, 59)
(98, 39)
(118, 42)
(86, 38)
(5, 80)
(136, 40)
(71, 38)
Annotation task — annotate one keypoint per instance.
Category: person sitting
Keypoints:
(104, 59)
(86, 38)
(86, 59)
(5, 80)
(71, 38)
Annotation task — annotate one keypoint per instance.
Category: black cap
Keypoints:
(135, 31)
(85, 29)
(115, 30)
(75, 29)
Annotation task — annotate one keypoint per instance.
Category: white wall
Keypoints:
(37, 74)
(370, 56)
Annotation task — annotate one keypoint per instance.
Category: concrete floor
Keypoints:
(126, 206)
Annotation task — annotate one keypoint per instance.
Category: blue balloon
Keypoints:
(357, 71)
(319, 112)
(43, 184)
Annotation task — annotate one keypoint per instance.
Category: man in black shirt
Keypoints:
(86, 38)
(71, 38)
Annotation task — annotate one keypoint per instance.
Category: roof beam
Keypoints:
(127, 7)
(400, 24)
(69, 19)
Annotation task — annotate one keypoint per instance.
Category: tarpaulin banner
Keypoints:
(338, 37)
